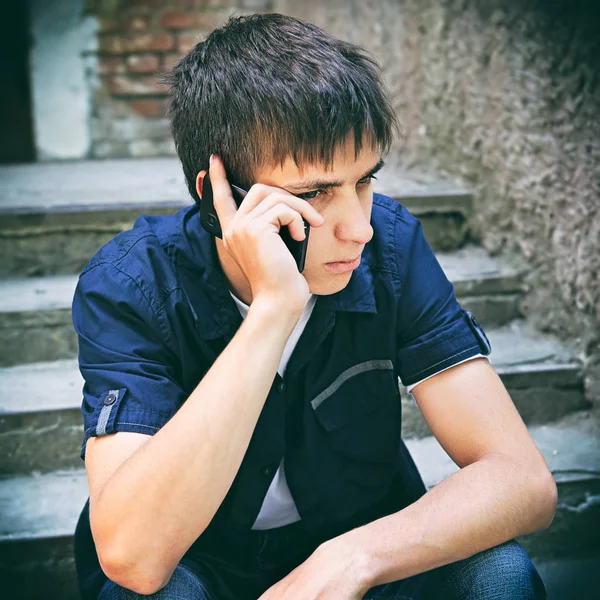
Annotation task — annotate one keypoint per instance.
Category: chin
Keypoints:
(325, 286)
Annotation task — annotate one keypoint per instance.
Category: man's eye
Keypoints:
(366, 180)
(309, 195)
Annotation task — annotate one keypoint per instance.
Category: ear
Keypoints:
(199, 181)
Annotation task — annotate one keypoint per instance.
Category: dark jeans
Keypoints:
(504, 572)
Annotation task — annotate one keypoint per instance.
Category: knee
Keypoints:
(500, 573)
(183, 585)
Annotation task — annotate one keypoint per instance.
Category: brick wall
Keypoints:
(136, 40)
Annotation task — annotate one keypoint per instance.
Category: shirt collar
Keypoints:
(200, 250)
(359, 294)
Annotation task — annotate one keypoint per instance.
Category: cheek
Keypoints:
(319, 245)
(367, 203)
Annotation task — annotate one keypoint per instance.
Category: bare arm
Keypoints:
(155, 505)
(150, 499)
(504, 488)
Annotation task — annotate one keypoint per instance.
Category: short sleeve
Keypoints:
(434, 332)
(128, 370)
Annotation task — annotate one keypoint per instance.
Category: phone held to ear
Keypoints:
(210, 221)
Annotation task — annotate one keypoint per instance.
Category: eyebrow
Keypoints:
(311, 184)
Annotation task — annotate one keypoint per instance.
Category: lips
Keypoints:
(344, 260)
(343, 266)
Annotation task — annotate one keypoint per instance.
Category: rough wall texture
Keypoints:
(506, 95)
(136, 40)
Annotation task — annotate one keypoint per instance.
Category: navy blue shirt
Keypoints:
(152, 310)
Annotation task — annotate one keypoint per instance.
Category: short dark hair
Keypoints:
(266, 87)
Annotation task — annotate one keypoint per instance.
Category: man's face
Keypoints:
(344, 196)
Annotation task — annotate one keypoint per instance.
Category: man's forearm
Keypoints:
(165, 494)
(480, 506)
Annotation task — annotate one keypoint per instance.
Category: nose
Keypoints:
(353, 222)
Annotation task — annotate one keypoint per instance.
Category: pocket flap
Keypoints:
(356, 392)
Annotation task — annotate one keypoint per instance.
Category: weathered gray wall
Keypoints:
(506, 95)
(61, 37)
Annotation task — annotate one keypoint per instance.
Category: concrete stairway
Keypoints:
(53, 217)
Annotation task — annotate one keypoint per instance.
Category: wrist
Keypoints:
(356, 561)
(287, 306)
(276, 312)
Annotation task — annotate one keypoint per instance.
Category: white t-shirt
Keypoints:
(278, 507)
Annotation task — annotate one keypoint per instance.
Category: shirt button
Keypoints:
(281, 387)
(267, 471)
(110, 399)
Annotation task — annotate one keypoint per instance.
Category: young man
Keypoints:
(242, 419)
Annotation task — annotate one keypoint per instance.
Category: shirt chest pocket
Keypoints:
(360, 413)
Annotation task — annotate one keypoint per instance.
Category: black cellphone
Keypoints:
(210, 221)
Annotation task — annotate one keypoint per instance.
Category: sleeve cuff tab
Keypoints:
(482, 339)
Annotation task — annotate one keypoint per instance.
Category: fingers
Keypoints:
(238, 234)
(314, 218)
(281, 215)
(222, 198)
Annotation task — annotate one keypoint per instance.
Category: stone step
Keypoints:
(570, 578)
(53, 217)
(35, 319)
(38, 513)
(491, 288)
(41, 424)
(35, 315)
(444, 207)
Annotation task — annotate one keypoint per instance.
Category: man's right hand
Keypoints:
(251, 236)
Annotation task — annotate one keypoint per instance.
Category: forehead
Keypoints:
(345, 160)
